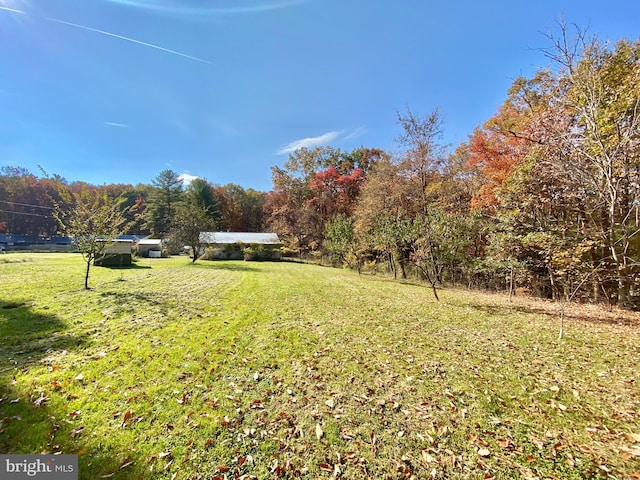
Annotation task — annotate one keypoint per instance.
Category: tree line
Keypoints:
(544, 196)
(28, 202)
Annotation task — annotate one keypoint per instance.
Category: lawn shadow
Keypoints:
(133, 266)
(552, 310)
(229, 265)
(27, 336)
(33, 420)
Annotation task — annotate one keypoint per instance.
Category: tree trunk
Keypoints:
(392, 265)
(425, 274)
(86, 275)
(403, 268)
(510, 283)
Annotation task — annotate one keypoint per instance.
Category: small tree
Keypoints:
(340, 241)
(198, 213)
(93, 221)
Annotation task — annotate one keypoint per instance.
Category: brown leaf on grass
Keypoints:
(126, 463)
(76, 431)
(126, 419)
(627, 453)
(504, 442)
(537, 442)
(586, 449)
(633, 437)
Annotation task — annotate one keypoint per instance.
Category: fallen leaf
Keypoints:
(633, 437)
(484, 452)
(319, 432)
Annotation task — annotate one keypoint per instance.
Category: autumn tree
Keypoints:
(576, 186)
(423, 153)
(341, 242)
(383, 207)
(26, 202)
(600, 93)
(291, 214)
(241, 210)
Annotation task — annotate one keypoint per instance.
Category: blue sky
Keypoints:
(114, 91)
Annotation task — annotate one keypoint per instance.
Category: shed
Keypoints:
(117, 253)
(241, 245)
(148, 245)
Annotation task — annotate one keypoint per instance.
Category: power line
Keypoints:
(26, 205)
(25, 213)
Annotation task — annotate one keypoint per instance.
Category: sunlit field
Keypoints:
(243, 370)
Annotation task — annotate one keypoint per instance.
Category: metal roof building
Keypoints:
(226, 238)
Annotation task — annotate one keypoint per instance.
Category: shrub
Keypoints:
(262, 252)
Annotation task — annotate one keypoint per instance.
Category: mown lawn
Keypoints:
(282, 370)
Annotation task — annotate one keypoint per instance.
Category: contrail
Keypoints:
(128, 39)
(109, 34)
(13, 10)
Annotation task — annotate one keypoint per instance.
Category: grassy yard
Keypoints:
(278, 370)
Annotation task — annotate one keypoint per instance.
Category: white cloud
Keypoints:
(177, 7)
(358, 132)
(114, 124)
(309, 142)
(187, 178)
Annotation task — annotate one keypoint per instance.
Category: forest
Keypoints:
(543, 198)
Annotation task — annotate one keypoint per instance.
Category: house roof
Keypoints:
(239, 237)
(150, 241)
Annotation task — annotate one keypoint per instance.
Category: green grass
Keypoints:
(281, 370)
